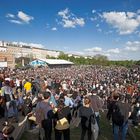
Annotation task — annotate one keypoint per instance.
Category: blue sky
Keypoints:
(84, 27)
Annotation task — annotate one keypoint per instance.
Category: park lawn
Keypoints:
(106, 132)
(137, 132)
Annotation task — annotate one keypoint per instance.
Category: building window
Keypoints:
(5, 59)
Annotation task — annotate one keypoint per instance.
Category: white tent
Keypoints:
(51, 62)
(57, 61)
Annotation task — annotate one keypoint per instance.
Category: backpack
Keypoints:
(117, 116)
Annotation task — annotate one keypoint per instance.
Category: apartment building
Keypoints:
(39, 53)
(9, 51)
(6, 59)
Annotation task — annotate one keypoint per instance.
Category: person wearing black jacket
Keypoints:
(85, 112)
(124, 110)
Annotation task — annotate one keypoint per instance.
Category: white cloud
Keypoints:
(125, 23)
(20, 18)
(29, 44)
(138, 11)
(93, 19)
(109, 32)
(131, 14)
(24, 17)
(128, 53)
(15, 21)
(64, 13)
(10, 15)
(116, 51)
(68, 23)
(133, 46)
(54, 29)
(80, 21)
(93, 11)
(80, 53)
(107, 54)
(69, 20)
(97, 25)
(36, 45)
(138, 18)
(94, 49)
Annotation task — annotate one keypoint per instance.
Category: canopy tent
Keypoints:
(51, 62)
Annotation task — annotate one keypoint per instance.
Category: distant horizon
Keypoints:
(109, 28)
(43, 47)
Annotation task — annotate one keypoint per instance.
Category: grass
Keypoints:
(106, 132)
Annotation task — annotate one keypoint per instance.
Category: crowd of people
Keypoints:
(57, 96)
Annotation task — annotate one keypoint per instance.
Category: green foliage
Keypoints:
(80, 60)
(97, 60)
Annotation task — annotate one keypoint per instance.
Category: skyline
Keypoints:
(75, 26)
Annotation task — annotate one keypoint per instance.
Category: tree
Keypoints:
(63, 56)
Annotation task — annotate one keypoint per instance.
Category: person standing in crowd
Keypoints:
(85, 112)
(135, 116)
(2, 103)
(8, 96)
(120, 111)
(96, 105)
(76, 103)
(1, 81)
(46, 111)
(63, 113)
(17, 83)
(27, 86)
(67, 100)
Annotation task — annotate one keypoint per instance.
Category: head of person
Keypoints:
(122, 98)
(87, 101)
(28, 94)
(27, 80)
(65, 93)
(46, 95)
(61, 104)
(45, 79)
(7, 82)
(40, 97)
(94, 91)
(7, 130)
(116, 96)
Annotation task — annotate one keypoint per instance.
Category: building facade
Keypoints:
(9, 51)
(6, 59)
